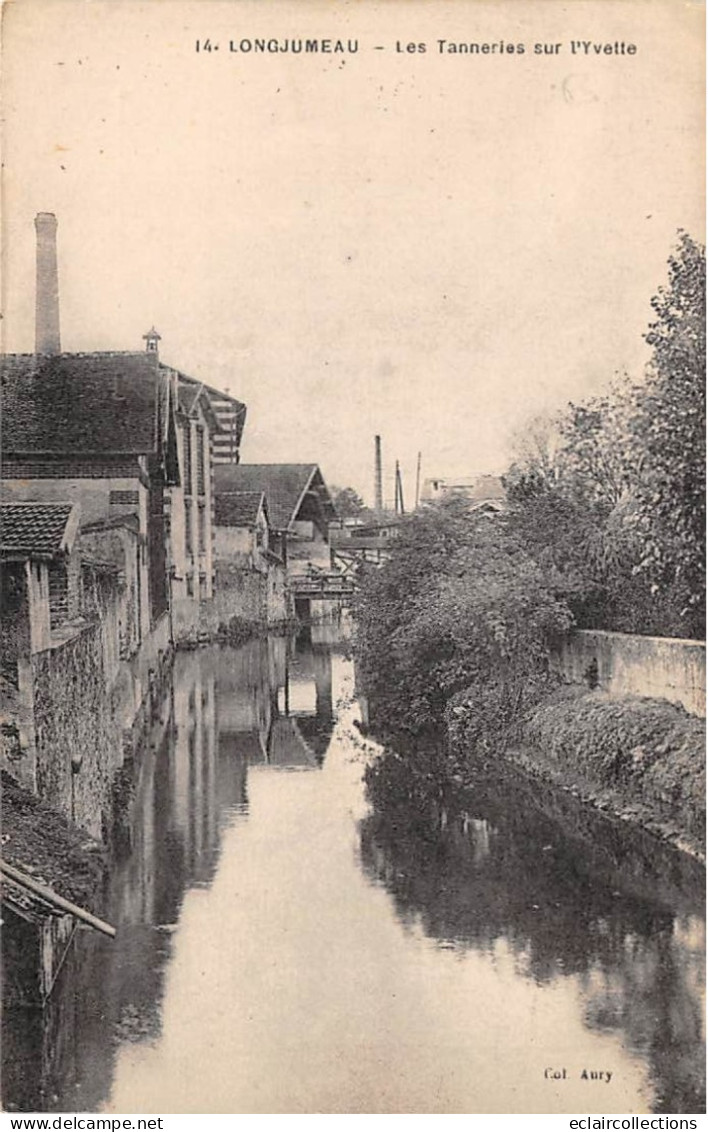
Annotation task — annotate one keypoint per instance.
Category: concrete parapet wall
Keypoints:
(625, 664)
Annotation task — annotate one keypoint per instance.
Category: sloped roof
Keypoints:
(284, 485)
(219, 401)
(37, 530)
(80, 403)
(238, 508)
(190, 395)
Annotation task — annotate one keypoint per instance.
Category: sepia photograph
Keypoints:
(353, 559)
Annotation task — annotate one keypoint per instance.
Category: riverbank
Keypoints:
(636, 758)
(632, 758)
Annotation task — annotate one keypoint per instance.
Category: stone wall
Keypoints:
(139, 678)
(87, 706)
(119, 546)
(625, 664)
(14, 618)
(279, 603)
(17, 750)
(77, 735)
(241, 594)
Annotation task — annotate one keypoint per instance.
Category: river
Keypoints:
(284, 946)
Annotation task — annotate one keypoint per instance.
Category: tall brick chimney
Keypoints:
(46, 336)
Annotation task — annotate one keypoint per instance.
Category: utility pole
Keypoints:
(378, 484)
(417, 481)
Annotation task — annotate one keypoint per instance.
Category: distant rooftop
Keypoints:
(476, 488)
(286, 487)
(238, 508)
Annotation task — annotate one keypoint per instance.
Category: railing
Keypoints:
(322, 585)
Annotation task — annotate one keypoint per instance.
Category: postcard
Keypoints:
(290, 288)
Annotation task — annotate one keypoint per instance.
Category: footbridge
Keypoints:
(323, 586)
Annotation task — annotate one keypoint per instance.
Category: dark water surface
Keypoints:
(285, 947)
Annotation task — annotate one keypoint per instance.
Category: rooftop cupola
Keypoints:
(151, 340)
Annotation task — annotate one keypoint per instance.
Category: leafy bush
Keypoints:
(459, 605)
(648, 747)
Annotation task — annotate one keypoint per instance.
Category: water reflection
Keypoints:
(284, 947)
(225, 710)
(575, 897)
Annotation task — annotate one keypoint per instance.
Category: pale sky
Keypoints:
(431, 246)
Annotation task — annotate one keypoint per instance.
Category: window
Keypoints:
(202, 528)
(190, 585)
(124, 498)
(187, 469)
(188, 539)
(201, 489)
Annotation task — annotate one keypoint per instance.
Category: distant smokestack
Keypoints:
(378, 481)
(46, 337)
(399, 505)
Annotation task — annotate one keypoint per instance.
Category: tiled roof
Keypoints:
(284, 486)
(37, 530)
(237, 508)
(79, 403)
(94, 466)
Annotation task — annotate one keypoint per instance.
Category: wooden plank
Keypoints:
(55, 899)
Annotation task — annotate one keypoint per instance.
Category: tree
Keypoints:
(535, 449)
(460, 606)
(667, 435)
(348, 502)
(565, 490)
